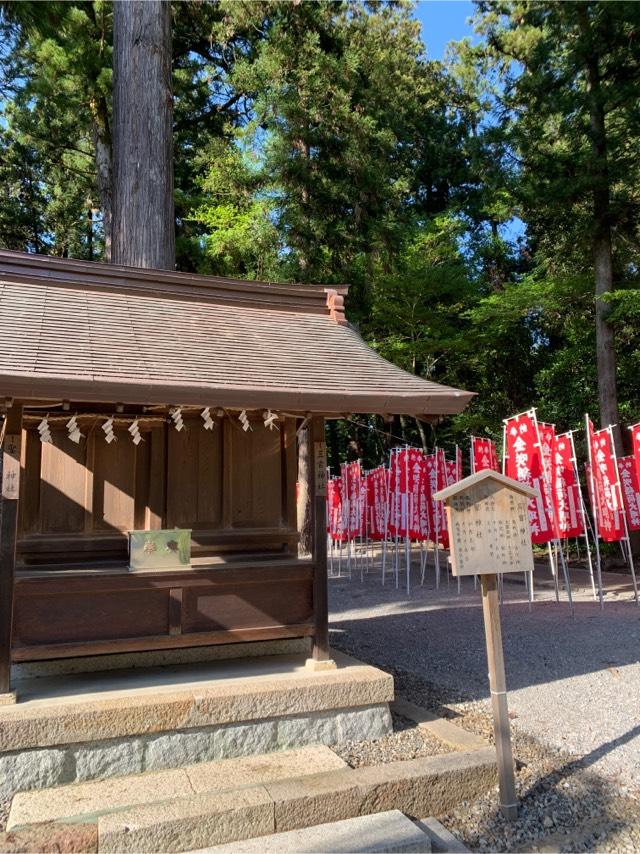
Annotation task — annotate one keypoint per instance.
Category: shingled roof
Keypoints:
(101, 333)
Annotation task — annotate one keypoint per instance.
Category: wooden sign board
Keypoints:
(320, 468)
(488, 526)
(11, 467)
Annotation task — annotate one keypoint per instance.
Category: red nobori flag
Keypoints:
(608, 501)
(630, 486)
(436, 478)
(377, 483)
(565, 489)
(407, 477)
(334, 510)
(484, 454)
(635, 437)
(524, 462)
(352, 498)
(451, 467)
(459, 473)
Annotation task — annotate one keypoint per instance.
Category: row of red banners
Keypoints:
(397, 501)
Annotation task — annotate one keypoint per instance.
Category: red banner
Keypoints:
(377, 484)
(407, 479)
(484, 454)
(452, 471)
(635, 438)
(436, 478)
(525, 463)
(334, 510)
(459, 473)
(609, 518)
(352, 499)
(566, 490)
(630, 487)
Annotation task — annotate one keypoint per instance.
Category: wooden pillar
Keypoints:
(318, 489)
(8, 530)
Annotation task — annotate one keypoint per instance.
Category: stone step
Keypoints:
(417, 787)
(86, 801)
(382, 832)
(237, 799)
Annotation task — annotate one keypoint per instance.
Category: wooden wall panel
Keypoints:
(240, 607)
(114, 482)
(194, 476)
(256, 478)
(80, 617)
(63, 485)
(78, 614)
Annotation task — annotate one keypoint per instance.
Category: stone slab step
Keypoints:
(86, 801)
(442, 840)
(388, 831)
(416, 787)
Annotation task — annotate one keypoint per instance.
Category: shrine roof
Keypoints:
(78, 330)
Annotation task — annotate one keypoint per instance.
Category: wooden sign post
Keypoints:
(490, 534)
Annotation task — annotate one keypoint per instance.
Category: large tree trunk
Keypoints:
(143, 212)
(602, 247)
(104, 170)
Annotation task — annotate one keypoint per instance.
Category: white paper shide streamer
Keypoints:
(270, 420)
(176, 416)
(45, 431)
(243, 418)
(74, 431)
(209, 423)
(134, 429)
(109, 435)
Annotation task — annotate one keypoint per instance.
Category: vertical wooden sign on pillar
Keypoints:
(11, 446)
(488, 521)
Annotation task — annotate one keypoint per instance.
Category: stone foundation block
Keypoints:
(178, 748)
(362, 724)
(34, 769)
(108, 759)
(319, 728)
(245, 739)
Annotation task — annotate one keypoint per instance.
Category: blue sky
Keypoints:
(443, 21)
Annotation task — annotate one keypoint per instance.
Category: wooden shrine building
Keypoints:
(205, 382)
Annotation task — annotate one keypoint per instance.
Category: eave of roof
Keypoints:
(75, 330)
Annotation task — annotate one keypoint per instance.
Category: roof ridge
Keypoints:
(68, 272)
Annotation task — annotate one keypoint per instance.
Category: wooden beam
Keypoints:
(8, 529)
(318, 488)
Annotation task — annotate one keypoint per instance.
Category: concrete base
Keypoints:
(8, 699)
(75, 728)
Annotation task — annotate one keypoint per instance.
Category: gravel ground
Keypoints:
(574, 692)
(407, 741)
